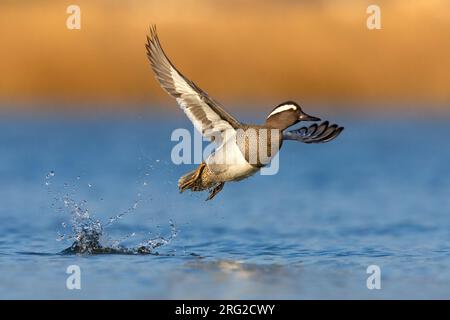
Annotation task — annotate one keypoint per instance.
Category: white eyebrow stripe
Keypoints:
(283, 108)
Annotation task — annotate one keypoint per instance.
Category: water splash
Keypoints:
(88, 233)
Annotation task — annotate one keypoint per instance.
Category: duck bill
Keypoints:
(307, 117)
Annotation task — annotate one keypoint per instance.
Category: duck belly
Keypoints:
(229, 164)
(237, 172)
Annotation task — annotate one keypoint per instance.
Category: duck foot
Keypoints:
(215, 191)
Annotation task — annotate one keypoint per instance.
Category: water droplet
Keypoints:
(48, 177)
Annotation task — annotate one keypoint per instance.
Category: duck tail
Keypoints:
(185, 178)
(192, 180)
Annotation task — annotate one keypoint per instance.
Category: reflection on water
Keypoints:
(238, 269)
(233, 279)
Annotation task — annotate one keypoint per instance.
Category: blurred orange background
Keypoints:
(240, 52)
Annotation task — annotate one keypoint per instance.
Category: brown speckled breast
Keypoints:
(259, 144)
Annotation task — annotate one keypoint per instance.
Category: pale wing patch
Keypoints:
(207, 116)
(181, 86)
(204, 119)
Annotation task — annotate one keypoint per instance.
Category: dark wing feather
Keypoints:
(205, 113)
(314, 133)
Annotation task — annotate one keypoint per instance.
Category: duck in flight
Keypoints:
(241, 149)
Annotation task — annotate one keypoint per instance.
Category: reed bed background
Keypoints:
(241, 52)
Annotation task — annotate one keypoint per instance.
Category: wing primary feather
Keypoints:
(205, 113)
(314, 134)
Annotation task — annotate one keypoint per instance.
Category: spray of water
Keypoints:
(87, 234)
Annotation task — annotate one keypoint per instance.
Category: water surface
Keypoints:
(378, 195)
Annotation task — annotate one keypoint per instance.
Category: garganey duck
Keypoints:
(241, 149)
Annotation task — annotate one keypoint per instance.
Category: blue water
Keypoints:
(378, 195)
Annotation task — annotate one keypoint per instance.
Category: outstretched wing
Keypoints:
(314, 133)
(207, 116)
